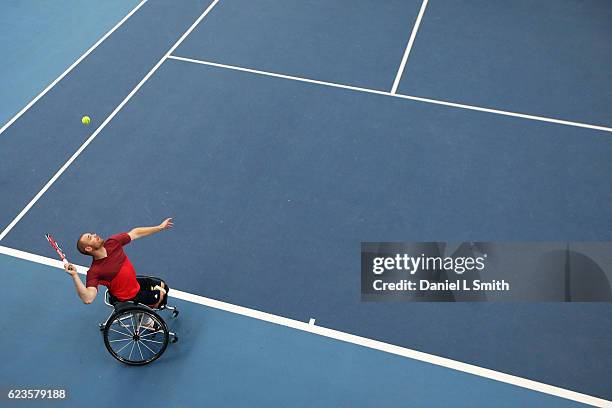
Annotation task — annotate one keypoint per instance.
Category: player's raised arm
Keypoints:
(144, 231)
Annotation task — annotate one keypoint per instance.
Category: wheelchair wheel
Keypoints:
(136, 335)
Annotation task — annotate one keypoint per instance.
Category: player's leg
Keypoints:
(166, 289)
(149, 294)
(159, 293)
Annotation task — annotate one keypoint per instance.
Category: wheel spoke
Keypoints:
(152, 341)
(140, 321)
(152, 352)
(152, 333)
(112, 341)
(139, 349)
(119, 351)
(126, 327)
(133, 325)
(130, 356)
(120, 332)
(145, 328)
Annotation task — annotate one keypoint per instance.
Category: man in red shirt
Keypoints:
(112, 268)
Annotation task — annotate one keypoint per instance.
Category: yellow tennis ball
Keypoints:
(85, 120)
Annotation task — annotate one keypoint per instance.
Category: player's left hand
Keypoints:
(167, 224)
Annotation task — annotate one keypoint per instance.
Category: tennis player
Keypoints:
(112, 268)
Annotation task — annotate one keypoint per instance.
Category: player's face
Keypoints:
(93, 240)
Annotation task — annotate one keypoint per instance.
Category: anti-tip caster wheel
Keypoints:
(174, 339)
(175, 313)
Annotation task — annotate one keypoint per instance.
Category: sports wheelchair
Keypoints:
(135, 334)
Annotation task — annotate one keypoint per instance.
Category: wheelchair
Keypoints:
(136, 334)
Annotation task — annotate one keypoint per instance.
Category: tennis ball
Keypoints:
(85, 120)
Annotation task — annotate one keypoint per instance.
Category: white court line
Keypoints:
(348, 338)
(103, 125)
(415, 29)
(70, 68)
(413, 98)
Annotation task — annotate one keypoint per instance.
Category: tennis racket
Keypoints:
(57, 248)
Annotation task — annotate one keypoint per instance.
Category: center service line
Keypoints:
(415, 29)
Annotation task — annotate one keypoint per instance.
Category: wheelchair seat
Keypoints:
(111, 300)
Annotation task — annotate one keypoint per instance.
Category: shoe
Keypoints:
(149, 324)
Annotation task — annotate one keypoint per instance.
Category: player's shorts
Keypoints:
(147, 295)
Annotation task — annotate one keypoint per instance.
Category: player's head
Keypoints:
(89, 242)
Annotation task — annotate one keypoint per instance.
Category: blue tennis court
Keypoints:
(280, 135)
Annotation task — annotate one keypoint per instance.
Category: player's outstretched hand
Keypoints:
(70, 269)
(167, 224)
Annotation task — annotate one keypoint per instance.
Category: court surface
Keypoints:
(282, 134)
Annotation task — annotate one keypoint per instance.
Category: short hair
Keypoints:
(81, 246)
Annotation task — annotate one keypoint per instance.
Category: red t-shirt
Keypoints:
(115, 271)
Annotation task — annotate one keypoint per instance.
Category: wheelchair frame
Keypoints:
(133, 334)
